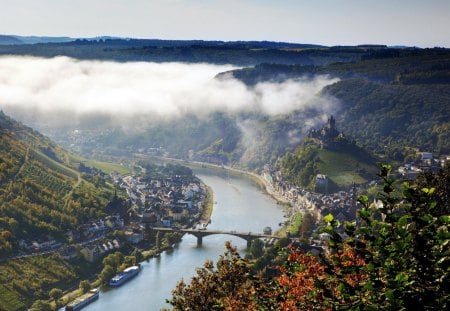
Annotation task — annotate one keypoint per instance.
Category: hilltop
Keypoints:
(327, 161)
(390, 101)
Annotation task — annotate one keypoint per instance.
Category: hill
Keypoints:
(42, 194)
(328, 152)
(391, 101)
(242, 53)
(8, 40)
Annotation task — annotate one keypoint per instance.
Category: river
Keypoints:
(240, 205)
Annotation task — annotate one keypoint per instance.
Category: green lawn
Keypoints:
(106, 167)
(342, 167)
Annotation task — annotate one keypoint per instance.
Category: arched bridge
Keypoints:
(199, 234)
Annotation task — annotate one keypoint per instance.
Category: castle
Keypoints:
(328, 135)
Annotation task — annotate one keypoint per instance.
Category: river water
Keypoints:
(240, 205)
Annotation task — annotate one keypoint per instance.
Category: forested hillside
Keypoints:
(390, 101)
(41, 196)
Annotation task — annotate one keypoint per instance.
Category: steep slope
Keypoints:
(344, 163)
(41, 196)
(391, 101)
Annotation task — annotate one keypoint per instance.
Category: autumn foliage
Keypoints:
(393, 257)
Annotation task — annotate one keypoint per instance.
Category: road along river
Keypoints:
(240, 205)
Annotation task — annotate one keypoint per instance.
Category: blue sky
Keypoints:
(424, 23)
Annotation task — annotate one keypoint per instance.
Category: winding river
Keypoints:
(239, 205)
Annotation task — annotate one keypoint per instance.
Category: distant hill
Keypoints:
(7, 40)
(390, 101)
(136, 42)
(15, 40)
(241, 53)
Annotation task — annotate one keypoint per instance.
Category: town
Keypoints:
(170, 201)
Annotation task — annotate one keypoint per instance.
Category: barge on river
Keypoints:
(83, 300)
(124, 276)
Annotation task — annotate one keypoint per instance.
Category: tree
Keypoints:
(306, 225)
(113, 260)
(137, 255)
(224, 287)
(256, 248)
(84, 286)
(395, 257)
(107, 273)
(55, 293)
(173, 237)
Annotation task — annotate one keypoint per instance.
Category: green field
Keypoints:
(344, 168)
(106, 167)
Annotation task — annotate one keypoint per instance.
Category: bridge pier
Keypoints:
(199, 240)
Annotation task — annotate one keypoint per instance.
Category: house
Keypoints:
(68, 253)
(409, 171)
(178, 213)
(135, 236)
(426, 156)
(92, 252)
(167, 221)
(321, 183)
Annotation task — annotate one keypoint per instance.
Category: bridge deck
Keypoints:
(199, 232)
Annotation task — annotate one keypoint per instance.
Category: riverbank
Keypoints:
(149, 253)
(257, 179)
(238, 204)
(207, 205)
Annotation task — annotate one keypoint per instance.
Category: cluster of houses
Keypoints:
(165, 202)
(40, 245)
(160, 202)
(426, 162)
(342, 204)
(86, 238)
(95, 251)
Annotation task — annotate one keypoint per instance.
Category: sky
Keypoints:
(423, 23)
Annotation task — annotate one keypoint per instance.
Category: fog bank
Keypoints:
(63, 86)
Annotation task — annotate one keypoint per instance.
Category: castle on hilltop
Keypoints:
(328, 135)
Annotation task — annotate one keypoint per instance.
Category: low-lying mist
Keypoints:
(179, 106)
(52, 86)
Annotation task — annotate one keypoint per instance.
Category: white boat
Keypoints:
(124, 276)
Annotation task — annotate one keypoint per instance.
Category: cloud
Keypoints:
(119, 90)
